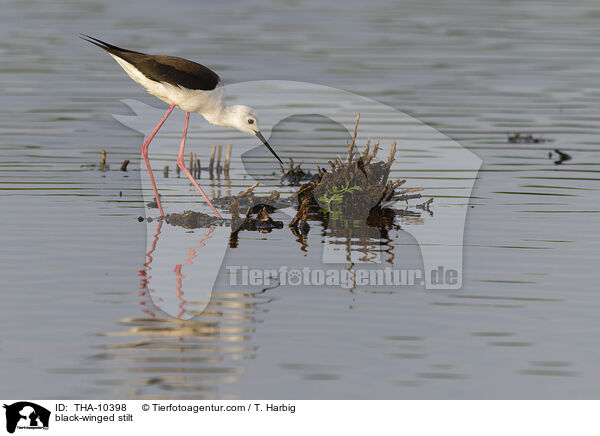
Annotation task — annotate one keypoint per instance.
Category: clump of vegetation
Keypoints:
(352, 191)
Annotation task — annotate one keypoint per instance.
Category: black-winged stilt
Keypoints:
(189, 86)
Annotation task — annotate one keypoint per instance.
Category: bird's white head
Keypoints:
(243, 119)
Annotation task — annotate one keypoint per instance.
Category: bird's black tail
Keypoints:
(112, 49)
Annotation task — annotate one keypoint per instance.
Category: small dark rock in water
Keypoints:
(190, 219)
(562, 156)
(518, 138)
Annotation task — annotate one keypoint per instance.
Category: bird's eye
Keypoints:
(250, 121)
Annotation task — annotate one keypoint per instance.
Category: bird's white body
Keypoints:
(210, 104)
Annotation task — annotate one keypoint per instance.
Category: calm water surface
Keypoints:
(77, 320)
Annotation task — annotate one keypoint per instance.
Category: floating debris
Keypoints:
(295, 175)
(426, 206)
(562, 156)
(519, 138)
(247, 198)
(257, 218)
(190, 219)
(261, 207)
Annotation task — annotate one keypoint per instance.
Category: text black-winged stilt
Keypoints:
(189, 86)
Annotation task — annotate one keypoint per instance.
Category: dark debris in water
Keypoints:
(426, 206)
(519, 138)
(257, 218)
(296, 175)
(190, 219)
(560, 155)
(247, 198)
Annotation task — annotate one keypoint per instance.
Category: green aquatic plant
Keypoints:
(336, 195)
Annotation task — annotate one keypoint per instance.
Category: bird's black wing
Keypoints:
(169, 69)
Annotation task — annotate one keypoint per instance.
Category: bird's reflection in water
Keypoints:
(188, 261)
(187, 354)
(174, 275)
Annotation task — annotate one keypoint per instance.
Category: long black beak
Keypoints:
(264, 141)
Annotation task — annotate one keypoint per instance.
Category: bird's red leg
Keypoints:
(145, 146)
(181, 165)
